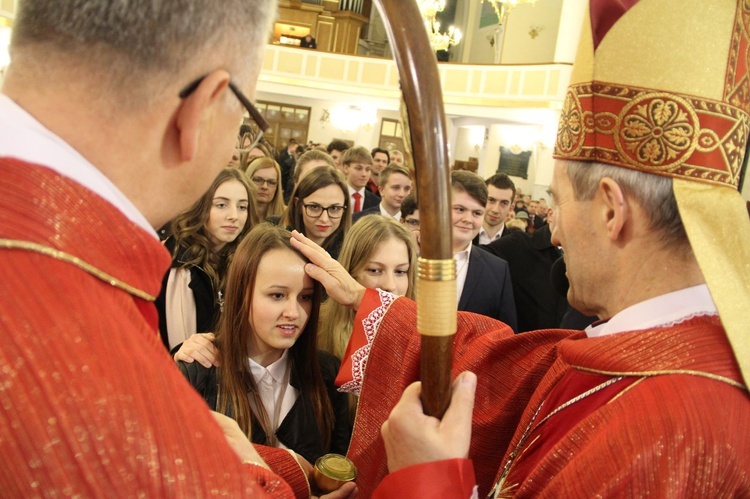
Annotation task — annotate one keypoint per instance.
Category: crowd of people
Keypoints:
(161, 346)
(227, 263)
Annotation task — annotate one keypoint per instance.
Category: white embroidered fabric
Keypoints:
(371, 323)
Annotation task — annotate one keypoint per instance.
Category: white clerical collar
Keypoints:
(25, 138)
(277, 369)
(665, 310)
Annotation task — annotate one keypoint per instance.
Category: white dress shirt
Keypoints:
(24, 138)
(462, 268)
(484, 238)
(269, 381)
(396, 217)
(665, 310)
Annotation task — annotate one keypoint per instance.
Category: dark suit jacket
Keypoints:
(530, 258)
(539, 222)
(370, 200)
(488, 290)
(372, 210)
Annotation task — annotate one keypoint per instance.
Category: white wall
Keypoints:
(571, 21)
(4, 55)
(539, 139)
(475, 48)
(518, 46)
(480, 51)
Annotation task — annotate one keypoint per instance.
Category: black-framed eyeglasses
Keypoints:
(258, 118)
(259, 181)
(314, 210)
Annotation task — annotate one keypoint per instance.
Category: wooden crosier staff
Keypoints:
(436, 285)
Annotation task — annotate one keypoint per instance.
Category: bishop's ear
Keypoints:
(198, 100)
(615, 207)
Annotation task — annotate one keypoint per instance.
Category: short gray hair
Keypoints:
(138, 38)
(653, 192)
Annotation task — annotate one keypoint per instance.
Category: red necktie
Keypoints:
(357, 202)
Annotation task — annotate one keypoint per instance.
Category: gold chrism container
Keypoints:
(332, 471)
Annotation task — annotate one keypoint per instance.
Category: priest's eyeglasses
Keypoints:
(263, 125)
(314, 210)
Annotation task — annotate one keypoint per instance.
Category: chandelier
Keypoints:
(503, 8)
(438, 40)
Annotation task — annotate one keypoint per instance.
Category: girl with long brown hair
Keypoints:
(319, 208)
(272, 379)
(202, 242)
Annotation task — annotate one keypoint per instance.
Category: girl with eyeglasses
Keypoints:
(319, 208)
(203, 241)
(265, 174)
(272, 379)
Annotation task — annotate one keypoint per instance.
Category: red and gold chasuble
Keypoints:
(91, 403)
(558, 414)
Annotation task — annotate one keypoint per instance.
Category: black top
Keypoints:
(530, 258)
(206, 299)
(299, 430)
(487, 289)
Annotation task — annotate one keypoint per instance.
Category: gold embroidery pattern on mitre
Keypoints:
(658, 131)
(74, 260)
(570, 130)
(655, 132)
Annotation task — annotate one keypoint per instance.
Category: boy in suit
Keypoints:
(357, 165)
(395, 185)
(483, 283)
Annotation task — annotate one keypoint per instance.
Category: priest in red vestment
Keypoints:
(114, 117)
(652, 400)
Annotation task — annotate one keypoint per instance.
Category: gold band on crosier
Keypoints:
(436, 270)
(436, 292)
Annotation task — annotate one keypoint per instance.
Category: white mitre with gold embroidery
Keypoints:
(662, 86)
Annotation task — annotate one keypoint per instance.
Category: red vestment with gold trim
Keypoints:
(659, 411)
(91, 403)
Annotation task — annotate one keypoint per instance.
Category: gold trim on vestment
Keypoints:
(500, 489)
(68, 258)
(688, 372)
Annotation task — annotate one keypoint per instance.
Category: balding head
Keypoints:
(139, 47)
